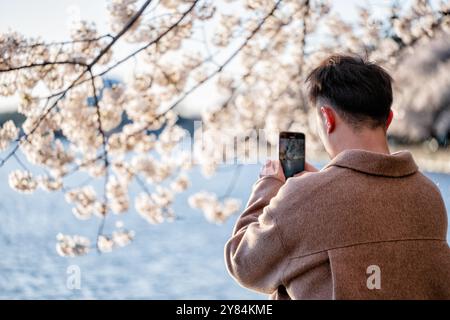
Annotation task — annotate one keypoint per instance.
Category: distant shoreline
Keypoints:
(430, 161)
(438, 161)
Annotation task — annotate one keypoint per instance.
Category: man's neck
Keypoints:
(373, 140)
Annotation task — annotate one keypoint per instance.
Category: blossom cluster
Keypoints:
(214, 210)
(8, 133)
(119, 238)
(71, 246)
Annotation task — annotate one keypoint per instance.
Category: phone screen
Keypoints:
(292, 152)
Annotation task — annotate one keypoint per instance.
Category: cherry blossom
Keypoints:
(126, 134)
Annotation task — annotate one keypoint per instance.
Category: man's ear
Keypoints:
(329, 117)
(389, 119)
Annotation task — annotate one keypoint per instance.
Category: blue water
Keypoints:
(179, 260)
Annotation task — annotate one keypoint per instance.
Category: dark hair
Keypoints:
(360, 91)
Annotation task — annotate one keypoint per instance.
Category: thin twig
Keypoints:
(63, 43)
(9, 155)
(83, 164)
(106, 160)
(77, 186)
(43, 64)
(20, 162)
(233, 182)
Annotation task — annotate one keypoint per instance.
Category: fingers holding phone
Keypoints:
(273, 168)
(308, 168)
(291, 161)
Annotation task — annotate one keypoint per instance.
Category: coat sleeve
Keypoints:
(255, 254)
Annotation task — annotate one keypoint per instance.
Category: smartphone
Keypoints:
(291, 150)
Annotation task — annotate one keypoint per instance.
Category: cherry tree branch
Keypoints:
(219, 69)
(156, 40)
(136, 52)
(105, 159)
(63, 43)
(88, 68)
(229, 59)
(433, 28)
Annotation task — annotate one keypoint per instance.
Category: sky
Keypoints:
(50, 20)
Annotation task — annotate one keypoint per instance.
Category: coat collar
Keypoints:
(397, 164)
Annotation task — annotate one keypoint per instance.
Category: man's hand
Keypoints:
(308, 168)
(273, 168)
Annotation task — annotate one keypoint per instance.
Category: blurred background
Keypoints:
(183, 259)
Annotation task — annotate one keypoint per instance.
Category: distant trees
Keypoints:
(423, 93)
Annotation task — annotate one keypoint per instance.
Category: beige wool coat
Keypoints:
(367, 226)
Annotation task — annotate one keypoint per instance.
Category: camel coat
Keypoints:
(367, 226)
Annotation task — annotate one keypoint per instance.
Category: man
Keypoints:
(367, 226)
